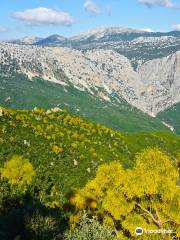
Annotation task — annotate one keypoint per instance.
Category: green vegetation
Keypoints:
(90, 229)
(172, 117)
(147, 195)
(66, 145)
(19, 92)
(53, 154)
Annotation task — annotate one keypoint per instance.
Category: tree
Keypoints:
(146, 196)
(18, 171)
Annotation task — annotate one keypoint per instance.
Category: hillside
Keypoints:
(46, 155)
(152, 86)
(172, 117)
(68, 149)
(137, 45)
(108, 75)
(21, 93)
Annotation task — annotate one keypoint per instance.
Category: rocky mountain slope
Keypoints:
(152, 87)
(28, 40)
(137, 45)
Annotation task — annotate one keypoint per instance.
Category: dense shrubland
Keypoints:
(65, 178)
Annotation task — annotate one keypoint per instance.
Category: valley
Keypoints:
(89, 135)
(106, 64)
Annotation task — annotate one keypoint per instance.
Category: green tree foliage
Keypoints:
(146, 196)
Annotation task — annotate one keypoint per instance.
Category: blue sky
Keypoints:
(69, 17)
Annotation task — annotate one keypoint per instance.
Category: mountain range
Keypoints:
(128, 69)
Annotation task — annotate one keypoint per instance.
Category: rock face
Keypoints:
(161, 78)
(1, 112)
(152, 86)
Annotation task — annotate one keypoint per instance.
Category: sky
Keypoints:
(42, 18)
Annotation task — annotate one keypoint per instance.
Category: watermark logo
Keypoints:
(139, 231)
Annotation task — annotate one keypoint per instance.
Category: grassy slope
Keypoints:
(26, 94)
(82, 142)
(172, 116)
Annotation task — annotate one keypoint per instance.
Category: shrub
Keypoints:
(90, 229)
(147, 195)
(18, 171)
(41, 227)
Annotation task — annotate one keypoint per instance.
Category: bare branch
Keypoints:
(150, 214)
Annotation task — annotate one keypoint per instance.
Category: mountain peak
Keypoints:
(101, 31)
(54, 39)
(27, 40)
(56, 36)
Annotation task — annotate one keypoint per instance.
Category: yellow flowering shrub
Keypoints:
(57, 149)
(74, 220)
(147, 195)
(18, 171)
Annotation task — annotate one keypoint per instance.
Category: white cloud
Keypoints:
(160, 3)
(41, 15)
(3, 29)
(176, 27)
(91, 7)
